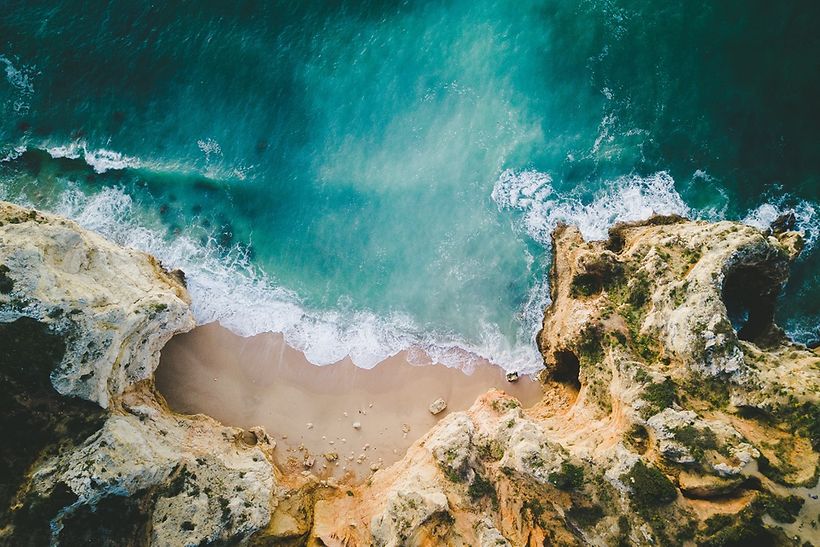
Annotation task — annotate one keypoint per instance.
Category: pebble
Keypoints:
(437, 407)
(357, 425)
(309, 425)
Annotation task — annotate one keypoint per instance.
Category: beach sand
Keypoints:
(310, 410)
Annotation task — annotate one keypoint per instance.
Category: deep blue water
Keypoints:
(370, 176)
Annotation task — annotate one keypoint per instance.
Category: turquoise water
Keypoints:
(371, 176)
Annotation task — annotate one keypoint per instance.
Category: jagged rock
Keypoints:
(664, 375)
(489, 536)
(406, 512)
(95, 316)
(451, 443)
(784, 223)
(526, 448)
(99, 297)
(707, 486)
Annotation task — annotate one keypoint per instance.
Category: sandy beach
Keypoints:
(335, 420)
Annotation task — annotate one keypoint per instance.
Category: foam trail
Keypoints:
(229, 289)
(20, 78)
(100, 160)
(14, 153)
(624, 199)
(805, 212)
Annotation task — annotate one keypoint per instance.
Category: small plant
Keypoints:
(780, 508)
(624, 530)
(639, 291)
(501, 405)
(452, 474)
(535, 508)
(658, 397)
(492, 450)
(803, 419)
(698, 441)
(642, 376)
(481, 488)
(638, 438)
(714, 391)
(586, 516)
(679, 294)
(569, 477)
(650, 488)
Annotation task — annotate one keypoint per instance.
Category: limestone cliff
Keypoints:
(674, 411)
(89, 451)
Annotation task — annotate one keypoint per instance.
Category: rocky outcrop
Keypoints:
(675, 411)
(113, 308)
(91, 453)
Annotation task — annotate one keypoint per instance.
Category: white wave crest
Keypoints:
(100, 160)
(623, 199)
(14, 153)
(230, 290)
(805, 213)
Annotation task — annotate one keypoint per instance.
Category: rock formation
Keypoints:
(674, 411)
(91, 453)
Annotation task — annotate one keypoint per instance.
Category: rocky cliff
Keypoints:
(675, 411)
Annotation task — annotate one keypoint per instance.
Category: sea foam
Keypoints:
(100, 160)
(623, 199)
(227, 287)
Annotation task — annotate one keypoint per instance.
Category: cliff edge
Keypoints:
(674, 412)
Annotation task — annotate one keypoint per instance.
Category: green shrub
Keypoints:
(480, 488)
(638, 438)
(658, 397)
(780, 508)
(746, 528)
(586, 516)
(569, 477)
(698, 441)
(650, 488)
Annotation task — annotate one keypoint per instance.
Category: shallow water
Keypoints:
(367, 177)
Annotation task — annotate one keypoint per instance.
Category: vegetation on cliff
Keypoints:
(674, 411)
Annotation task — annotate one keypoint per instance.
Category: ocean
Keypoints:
(366, 177)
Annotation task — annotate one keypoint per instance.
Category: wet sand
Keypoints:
(310, 410)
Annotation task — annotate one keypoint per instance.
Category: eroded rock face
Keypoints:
(674, 410)
(91, 453)
(114, 308)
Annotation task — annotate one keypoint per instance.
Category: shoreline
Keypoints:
(261, 381)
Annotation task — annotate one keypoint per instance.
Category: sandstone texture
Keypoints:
(675, 412)
(90, 453)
